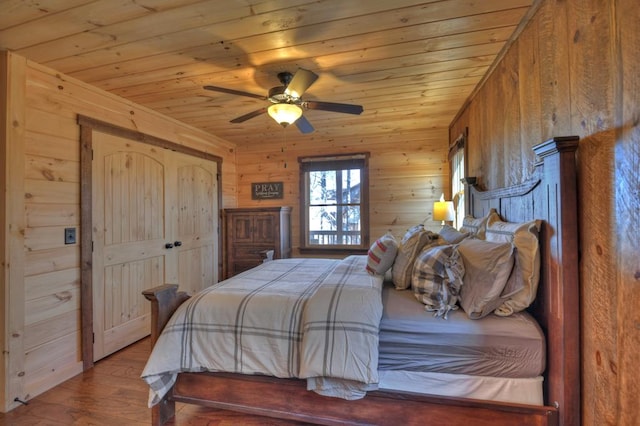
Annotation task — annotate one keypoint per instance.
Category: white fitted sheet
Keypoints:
(510, 390)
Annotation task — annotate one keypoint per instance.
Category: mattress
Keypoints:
(412, 339)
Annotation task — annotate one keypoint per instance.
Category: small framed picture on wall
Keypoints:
(266, 190)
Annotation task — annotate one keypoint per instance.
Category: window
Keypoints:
(334, 203)
(456, 160)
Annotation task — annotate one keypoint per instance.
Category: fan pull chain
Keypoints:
(284, 130)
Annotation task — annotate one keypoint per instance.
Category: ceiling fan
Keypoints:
(286, 102)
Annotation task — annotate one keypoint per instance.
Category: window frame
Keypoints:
(334, 162)
(458, 172)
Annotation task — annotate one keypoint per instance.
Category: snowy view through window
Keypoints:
(334, 207)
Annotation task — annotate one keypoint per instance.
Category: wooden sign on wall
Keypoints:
(266, 190)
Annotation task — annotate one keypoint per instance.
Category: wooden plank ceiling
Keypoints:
(410, 64)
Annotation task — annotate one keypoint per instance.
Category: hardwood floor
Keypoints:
(112, 393)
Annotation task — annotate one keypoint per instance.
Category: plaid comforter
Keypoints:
(316, 319)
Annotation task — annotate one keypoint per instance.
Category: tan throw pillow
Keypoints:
(411, 244)
(451, 235)
(476, 226)
(381, 254)
(524, 236)
(487, 267)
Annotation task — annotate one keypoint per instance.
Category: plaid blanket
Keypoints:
(307, 318)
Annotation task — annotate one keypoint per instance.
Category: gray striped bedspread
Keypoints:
(315, 319)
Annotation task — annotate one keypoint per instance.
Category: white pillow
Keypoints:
(412, 243)
(487, 266)
(381, 254)
(524, 236)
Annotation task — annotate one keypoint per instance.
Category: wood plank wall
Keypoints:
(12, 125)
(407, 173)
(574, 71)
(42, 169)
(4, 226)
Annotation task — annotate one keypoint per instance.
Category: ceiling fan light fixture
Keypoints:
(285, 114)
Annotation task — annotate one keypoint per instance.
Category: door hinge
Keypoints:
(93, 337)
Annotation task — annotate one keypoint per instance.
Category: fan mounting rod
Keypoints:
(285, 78)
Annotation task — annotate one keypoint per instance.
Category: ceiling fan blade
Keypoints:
(335, 107)
(234, 92)
(303, 125)
(249, 115)
(300, 82)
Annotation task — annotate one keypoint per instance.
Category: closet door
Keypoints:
(154, 221)
(130, 231)
(194, 208)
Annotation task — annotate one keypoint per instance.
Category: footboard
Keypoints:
(289, 399)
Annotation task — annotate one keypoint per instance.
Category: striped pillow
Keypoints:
(381, 254)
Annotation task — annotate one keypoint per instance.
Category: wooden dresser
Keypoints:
(249, 232)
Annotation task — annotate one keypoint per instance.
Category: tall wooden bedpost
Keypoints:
(559, 246)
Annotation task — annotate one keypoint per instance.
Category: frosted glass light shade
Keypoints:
(284, 114)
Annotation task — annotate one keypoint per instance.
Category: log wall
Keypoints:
(573, 71)
(40, 153)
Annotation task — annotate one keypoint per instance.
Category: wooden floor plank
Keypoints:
(112, 393)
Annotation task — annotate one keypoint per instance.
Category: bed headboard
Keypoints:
(551, 197)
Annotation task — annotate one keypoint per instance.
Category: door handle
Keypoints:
(168, 246)
(177, 243)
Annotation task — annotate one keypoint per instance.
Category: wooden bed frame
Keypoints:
(551, 197)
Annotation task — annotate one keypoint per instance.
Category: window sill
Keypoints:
(333, 250)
